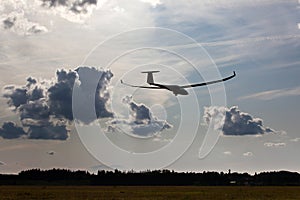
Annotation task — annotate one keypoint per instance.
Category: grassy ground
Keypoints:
(142, 192)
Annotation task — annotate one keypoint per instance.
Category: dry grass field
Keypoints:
(148, 192)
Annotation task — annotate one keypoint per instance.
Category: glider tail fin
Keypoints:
(150, 79)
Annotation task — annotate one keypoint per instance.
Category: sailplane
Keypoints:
(176, 89)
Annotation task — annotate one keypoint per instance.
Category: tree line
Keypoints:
(149, 177)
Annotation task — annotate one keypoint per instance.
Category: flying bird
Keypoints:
(176, 89)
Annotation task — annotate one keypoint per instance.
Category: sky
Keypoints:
(62, 104)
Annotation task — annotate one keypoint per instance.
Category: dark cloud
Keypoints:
(36, 94)
(17, 97)
(37, 110)
(81, 6)
(10, 130)
(60, 94)
(141, 113)
(49, 132)
(9, 22)
(53, 3)
(140, 122)
(51, 153)
(234, 122)
(45, 108)
(75, 6)
(30, 81)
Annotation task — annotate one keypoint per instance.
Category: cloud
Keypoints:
(248, 154)
(76, 6)
(73, 10)
(10, 130)
(233, 122)
(273, 94)
(48, 132)
(21, 16)
(45, 107)
(34, 111)
(51, 153)
(88, 78)
(60, 94)
(271, 144)
(228, 153)
(153, 3)
(140, 122)
(18, 23)
(295, 140)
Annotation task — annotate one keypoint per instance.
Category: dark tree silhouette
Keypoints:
(155, 177)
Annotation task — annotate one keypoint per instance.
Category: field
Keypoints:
(147, 192)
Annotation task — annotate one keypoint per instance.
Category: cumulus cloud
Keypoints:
(45, 107)
(20, 16)
(60, 94)
(73, 10)
(48, 132)
(272, 144)
(18, 23)
(10, 130)
(233, 122)
(140, 122)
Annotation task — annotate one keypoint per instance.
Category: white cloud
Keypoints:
(22, 17)
(273, 94)
(18, 23)
(153, 3)
(295, 140)
(228, 153)
(72, 10)
(271, 144)
(248, 154)
(251, 40)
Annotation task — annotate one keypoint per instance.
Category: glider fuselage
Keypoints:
(176, 89)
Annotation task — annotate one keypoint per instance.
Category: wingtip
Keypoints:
(234, 73)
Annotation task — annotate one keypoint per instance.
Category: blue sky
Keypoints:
(257, 39)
